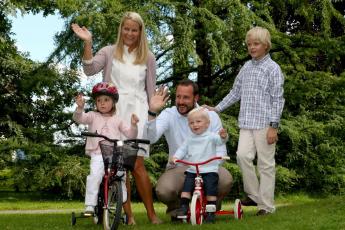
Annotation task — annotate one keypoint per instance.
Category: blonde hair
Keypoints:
(143, 48)
(199, 111)
(261, 34)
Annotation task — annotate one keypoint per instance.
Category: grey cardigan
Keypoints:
(103, 61)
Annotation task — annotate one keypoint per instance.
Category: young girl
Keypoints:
(105, 122)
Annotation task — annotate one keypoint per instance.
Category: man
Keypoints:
(173, 124)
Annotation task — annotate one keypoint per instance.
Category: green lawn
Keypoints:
(293, 212)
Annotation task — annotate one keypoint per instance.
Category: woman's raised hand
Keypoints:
(82, 32)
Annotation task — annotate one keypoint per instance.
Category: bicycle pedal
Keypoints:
(181, 217)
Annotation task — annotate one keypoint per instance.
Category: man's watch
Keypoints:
(274, 125)
(153, 114)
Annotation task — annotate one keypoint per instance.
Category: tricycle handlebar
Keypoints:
(203, 162)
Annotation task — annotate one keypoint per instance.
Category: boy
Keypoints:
(200, 146)
(259, 87)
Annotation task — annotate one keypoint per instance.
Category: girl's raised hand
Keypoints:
(80, 101)
(134, 119)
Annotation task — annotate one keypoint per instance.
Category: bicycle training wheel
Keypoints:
(196, 211)
(74, 219)
(98, 216)
(112, 215)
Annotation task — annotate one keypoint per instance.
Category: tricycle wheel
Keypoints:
(238, 212)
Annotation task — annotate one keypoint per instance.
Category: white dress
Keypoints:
(130, 81)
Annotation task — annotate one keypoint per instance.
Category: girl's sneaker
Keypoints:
(89, 210)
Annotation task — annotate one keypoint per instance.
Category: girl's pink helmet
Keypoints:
(104, 88)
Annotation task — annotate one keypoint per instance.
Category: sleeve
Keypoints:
(276, 93)
(218, 140)
(82, 118)
(156, 127)
(150, 76)
(182, 150)
(216, 125)
(233, 96)
(97, 63)
(128, 131)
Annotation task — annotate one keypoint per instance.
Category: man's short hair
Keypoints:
(188, 82)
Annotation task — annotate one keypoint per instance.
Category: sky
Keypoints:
(35, 34)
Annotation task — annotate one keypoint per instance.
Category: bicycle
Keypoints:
(118, 156)
(198, 207)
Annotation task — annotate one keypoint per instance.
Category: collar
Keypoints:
(260, 61)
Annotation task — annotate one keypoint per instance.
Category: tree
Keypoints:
(34, 98)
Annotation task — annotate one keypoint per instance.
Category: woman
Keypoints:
(131, 66)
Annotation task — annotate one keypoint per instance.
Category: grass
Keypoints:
(293, 212)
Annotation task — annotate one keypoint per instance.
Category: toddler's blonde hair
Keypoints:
(199, 111)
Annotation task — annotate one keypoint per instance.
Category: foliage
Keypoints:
(202, 40)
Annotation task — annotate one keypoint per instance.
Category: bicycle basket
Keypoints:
(129, 154)
(107, 149)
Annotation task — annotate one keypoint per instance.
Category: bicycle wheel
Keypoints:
(196, 210)
(112, 215)
(98, 216)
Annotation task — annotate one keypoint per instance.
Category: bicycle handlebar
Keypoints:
(203, 162)
(137, 141)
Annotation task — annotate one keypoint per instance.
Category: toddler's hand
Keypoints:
(80, 101)
(134, 119)
(223, 134)
(172, 160)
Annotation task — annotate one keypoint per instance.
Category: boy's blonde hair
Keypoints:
(261, 34)
(199, 111)
(143, 47)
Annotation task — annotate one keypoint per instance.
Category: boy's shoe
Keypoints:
(182, 212)
(262, 212)
(248, 202)
(89, 210)
(210, 218)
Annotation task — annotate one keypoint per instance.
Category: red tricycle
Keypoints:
(197, 210)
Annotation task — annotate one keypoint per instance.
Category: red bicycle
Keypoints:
(197, 210)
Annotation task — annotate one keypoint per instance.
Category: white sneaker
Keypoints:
(89, 210)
